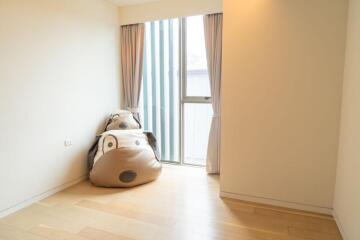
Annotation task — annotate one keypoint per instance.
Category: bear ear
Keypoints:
(114, 116)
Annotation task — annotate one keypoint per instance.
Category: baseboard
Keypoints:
(38, 197)
(279, 203)
(340, 226)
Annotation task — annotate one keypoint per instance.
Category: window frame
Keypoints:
(183, 84)
(183, 67)
(183, 97)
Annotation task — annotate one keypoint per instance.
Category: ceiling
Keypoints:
(130, 2)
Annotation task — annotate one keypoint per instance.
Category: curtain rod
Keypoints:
(166, 18)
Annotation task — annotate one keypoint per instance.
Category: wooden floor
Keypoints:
(182, 204)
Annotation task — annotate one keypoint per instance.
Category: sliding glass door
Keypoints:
(175, 102)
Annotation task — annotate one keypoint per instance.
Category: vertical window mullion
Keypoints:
(171, 89)
(145, 89)
(153, 78)
(183, 57)
(162, 90)
(182, 70)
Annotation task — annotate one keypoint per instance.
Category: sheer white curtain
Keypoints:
(132, 50)
(213, 41)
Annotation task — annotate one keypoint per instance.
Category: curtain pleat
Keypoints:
(132, 50)
(213, 41)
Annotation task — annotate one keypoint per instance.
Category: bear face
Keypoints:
(125, 167)
(123, 120)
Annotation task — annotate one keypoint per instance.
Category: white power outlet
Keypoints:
(68, 143)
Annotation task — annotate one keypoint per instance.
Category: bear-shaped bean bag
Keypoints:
(124, 158)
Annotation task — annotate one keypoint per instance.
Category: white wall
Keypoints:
(347, 191)
(165, 9)
(281, 94)
(59, 78)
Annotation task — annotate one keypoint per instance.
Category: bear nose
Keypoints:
(127, 176)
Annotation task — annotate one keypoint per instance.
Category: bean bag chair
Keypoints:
(123, 158)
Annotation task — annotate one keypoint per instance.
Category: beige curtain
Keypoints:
(132, 50)
(213, 41)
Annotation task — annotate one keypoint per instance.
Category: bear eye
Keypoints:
(109, 143)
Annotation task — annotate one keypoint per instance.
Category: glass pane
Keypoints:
(159, 101)
(197, 121)
(197, 83)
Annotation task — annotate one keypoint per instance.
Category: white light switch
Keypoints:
(68, 143)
